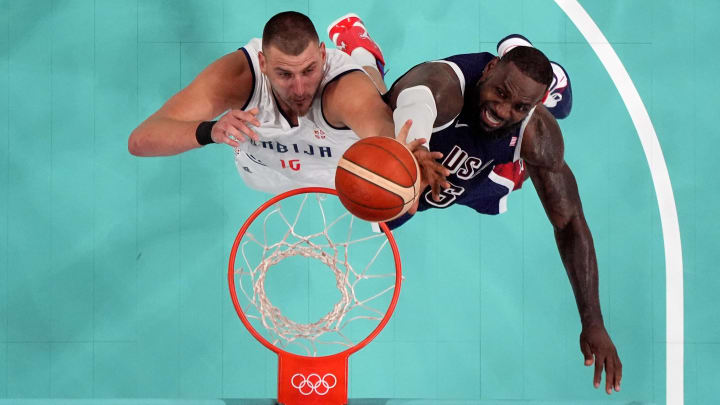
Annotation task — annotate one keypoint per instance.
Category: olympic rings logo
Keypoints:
(313, 383)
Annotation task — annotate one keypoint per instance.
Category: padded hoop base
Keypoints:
(312, 380)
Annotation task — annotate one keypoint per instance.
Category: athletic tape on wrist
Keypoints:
(417, 104)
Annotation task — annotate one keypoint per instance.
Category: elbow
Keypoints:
(562, 225)
(135, 145)
(573, 224)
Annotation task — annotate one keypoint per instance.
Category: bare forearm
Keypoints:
(376, 120)
(577, 251)
(159, 136)
(386, 127)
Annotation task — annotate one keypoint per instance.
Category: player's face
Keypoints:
(504, 96)
(294, 78)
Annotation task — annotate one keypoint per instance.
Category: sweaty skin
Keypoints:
(499, 102)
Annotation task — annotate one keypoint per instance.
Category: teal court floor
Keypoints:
(113, 281)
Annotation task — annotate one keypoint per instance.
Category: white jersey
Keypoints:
(287, 157)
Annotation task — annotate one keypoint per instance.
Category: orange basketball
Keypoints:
(377, 179)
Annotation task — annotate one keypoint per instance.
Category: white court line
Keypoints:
(674, 365)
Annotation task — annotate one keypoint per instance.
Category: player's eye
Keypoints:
(500, 92)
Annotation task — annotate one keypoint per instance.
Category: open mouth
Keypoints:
(490, 119)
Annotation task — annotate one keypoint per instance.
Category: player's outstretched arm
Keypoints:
(224, 85)
(542, 150)
(353, 101)
(430, 95)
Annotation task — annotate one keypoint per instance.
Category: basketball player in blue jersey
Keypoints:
(486, 116)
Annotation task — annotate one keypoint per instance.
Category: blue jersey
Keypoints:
(484, 167)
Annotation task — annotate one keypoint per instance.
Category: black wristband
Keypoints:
(203, 133)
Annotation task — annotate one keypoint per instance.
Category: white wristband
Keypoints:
(417, 104)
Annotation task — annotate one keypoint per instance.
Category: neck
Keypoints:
(290, 115)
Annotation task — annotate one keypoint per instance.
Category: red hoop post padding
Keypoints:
(305, 379)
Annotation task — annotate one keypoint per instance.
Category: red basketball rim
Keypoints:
(244, 319)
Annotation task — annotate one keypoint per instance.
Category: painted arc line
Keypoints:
(674, 304)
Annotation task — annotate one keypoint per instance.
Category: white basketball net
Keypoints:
(251, 276)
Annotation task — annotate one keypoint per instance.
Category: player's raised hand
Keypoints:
(432, 173)
(233, 127)
(597, 347)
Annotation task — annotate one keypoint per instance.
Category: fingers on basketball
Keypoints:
(378, 179)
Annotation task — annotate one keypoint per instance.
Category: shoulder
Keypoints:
(443, 82)
(225, 83)
(345, 82)
(234, 65)
(543, 144)
(231, 76)
(341, 72)
(242, 62)
(439, 77)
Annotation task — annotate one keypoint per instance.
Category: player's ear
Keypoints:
(323, 51)
(491, 65)
(263, 62)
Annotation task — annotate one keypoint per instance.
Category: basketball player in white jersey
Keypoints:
(291, 108)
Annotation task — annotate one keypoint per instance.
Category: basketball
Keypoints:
(377, 179)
